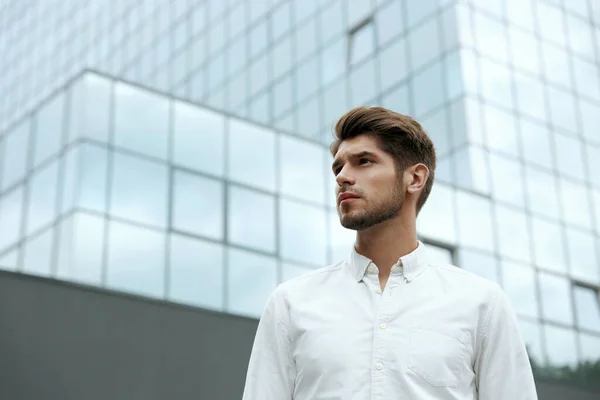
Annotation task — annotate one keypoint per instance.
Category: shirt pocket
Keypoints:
(436, 357)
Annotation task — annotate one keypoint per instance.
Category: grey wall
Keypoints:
(61, 342)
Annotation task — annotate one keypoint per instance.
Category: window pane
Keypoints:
(490, 37)
(330, 22)
(504, 171)
(428, 89)
(282, 96)
(139, 190)
(551, 23)
(428, 33)
(196, 272)
(16, 149)
(198, 141)
(92, 177)
(251, 154)
(197, 205)
(333, 61)
(481, 263)
(589, 349)
(89, 114)
(587, 308)
(556, 299)
(280, 20)
(518, 281)
(590, 120)
(388, 20)
(586, 78)
(9, 260)
(530, 96)
(251, 219)
(141, 121)
(307, 79)
(49, 129)
(474, 221)
(513, 234)
(397, 100)
(302, 166)
(302, 233)
(561, 347)
(495, 83)
(291, 271)
(439, 255)
(341, 239)
(437, 219)
(542, 193)
(357, 11)
(11, 207)
(569, 156)
(362, 83)
(524, 47)
(531, 333)
(393, 66)
(42, 197)
(306, 39)
(582, 256)
(252, 278)
(417, 11)
(362, 44)
(501, 130)
(38, 254)
(562, 109)
(136, 260)
(548, 245)
(536, 144)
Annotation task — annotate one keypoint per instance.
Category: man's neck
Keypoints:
(385, 243)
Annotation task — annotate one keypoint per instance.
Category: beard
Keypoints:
(387, 208)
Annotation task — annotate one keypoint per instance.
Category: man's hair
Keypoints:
(398, 135)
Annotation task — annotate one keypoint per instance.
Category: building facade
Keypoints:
(178, 149)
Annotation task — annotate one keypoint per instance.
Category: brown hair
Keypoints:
(398, 135)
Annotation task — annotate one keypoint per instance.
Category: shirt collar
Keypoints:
(411, 264)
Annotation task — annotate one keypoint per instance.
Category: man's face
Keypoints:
(368, 189)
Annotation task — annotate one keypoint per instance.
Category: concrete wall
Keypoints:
(60, 342)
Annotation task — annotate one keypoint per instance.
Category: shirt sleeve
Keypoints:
(503, 370)
(271, 372)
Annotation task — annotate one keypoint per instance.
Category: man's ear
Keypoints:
(417, 178)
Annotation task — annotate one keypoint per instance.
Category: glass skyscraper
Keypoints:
(178, 149)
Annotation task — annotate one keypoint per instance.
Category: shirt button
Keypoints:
(378, 291)
(379, 366)
(371, 268)
(383, 325)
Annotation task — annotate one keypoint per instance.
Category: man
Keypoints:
(385, 323)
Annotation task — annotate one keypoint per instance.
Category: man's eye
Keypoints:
(364, 160)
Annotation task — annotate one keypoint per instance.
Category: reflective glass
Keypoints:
(586, 78)
(258, 109)
(496, 85)
(308, 119)
(306, 39)
(329, 20)
(16, 150)
(596, 201)
(561, 346)
(236, 57)
(198, 138)
(282, 96)
(474, 221)
(258, 75)
(556, 63)
(587, 308)
(251, 219)
(556, 298)
(397, 100)
(357, 10)
(136, 258)
(333, 61)
(593, 164)
(81, 249)
(307, 79)
(582, 256)
(531, 333)
(362, 83)
(281, 20)
(481, 263)
(518, 281)
(437, 127)
(541, 193)
(393, 66)
(465, 116)
(89, 114)
(530, 96)
(454, 70)
(417, 11)
(428, 89)
(362, 44)
(580, 34)
(341, 239)
(551, 23)
(589, 347)
(548, 245)
(291, 271)
(251, 154)
(513, 234)
(42, 197)
(439, 255)
(37, 259)
(462, 23)
(91, 183)
(9, 260)
(251, 280)
(505, 184)
(49, 129)
(535, 141)
(282, 57)
(575, 201)
(427, 32)
(590, 120)
(471, 166)
(11, 213)
(389, 21)
(139, 190)
(490, 36)
(524, 48)
(196, 271)
(258, 9)
(197, 205)
(302, 166)
(141, 121)
(302, 233)
(258, 39)
(579, 7)
(562, 109)
(437, 219)
(501, 130)
(451, 31)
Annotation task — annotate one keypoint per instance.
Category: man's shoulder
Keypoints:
(466, 279)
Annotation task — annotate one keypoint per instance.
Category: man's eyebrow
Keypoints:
(361, 154)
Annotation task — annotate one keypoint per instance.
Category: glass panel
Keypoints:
(281, 20)
(139, 190)
(306, 39)
(291, 271)
(363, 87)
(308, 119)
(472, 162)
(362, 44)
(335, 102)
(501, 130)
(556, 298)
(258, 38)
(16, 150)
(302, 166)
(92, 177)
(551, 23)
(548, 245)
(582, 256)
(490, 36)
(393, 66)
(428, 89)
(251, 155)
(474, 221)
(542, 193)
(593, 164)
(536, 144)
(417, 11)
(439, 255)
(42, 197)
(505, 187)
(38, 254)
(427, 32)
(589, 350)
(562, 109)
(561, 347)
(282, 96)
(252, 278)
(81, 249)
(496, 84)
(49, 129)
(11, 207)
(341, 239)
(480, 263)
(437, 220)
(251, 219)
(531, 333)
(590, 120)
(307, 79)
(524, 47)
(333, 61)
(586, 78)
(302, 233)
(388, 20)
(520, 13)
(357, 10)
(437, 127)
(397, 100)
(530, 96)
(330, 22)
(196, 272)
(513, 234)
(570, 156)
(141, 121)
(9, 260)
(556, 64)
(282, 57)
(136, 258)
(89, 114)
(518, 281)
(587, 308)
(197, 205)
(198, 140)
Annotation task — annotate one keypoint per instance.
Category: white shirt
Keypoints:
(435, 332)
